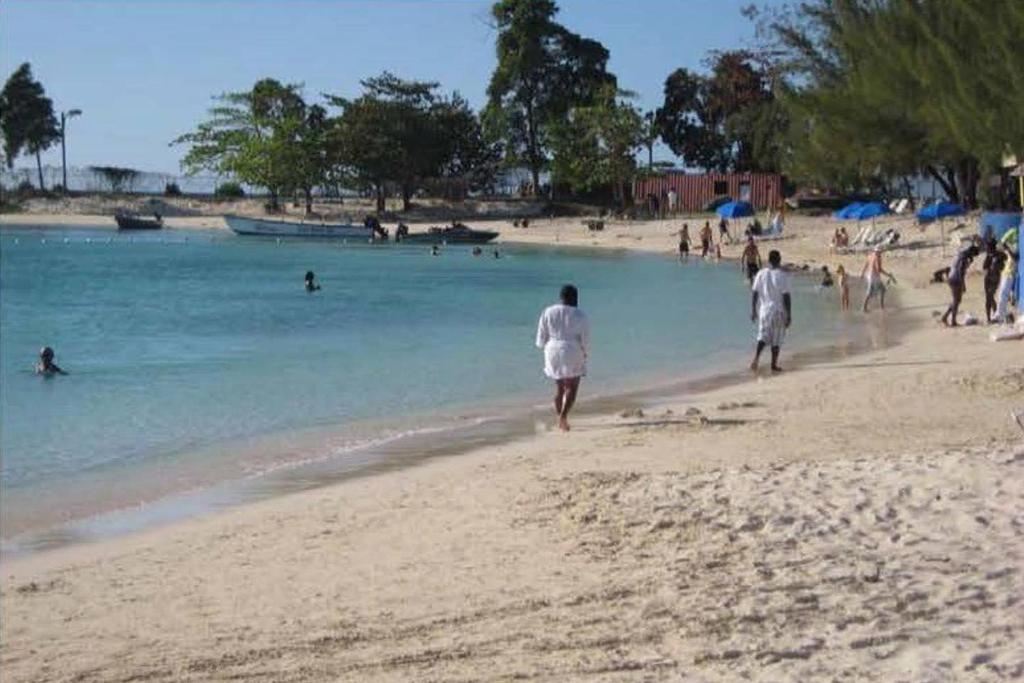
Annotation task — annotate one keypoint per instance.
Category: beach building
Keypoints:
(695, 191)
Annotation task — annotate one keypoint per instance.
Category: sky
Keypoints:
(143, 71)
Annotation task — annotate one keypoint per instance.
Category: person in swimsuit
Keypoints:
(311, 285)
(684, 242)
(705, 239)
(46, 367)
(750, 261)
(723, 232)
(563, 332)
(826, 277)
(844, 288)
(873, 271)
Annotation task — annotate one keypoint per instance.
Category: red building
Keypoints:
(696, 190)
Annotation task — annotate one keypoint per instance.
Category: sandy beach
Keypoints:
(857, 517)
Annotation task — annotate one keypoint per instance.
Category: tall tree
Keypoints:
(596, 144)
(725, 120)
(543, 71)
(255, 136)
(27, 118)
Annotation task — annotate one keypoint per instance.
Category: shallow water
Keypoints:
(198, 358)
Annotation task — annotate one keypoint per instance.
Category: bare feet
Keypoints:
(776, 368)
(753, 366)
(563, 423)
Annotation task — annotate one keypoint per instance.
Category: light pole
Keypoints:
(64, 115)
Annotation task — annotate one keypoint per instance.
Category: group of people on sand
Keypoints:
(708, 246)
(1000, 268)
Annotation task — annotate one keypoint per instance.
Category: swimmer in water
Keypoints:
(434, 251)
(311, 285)
(46, 366)
(497, 254)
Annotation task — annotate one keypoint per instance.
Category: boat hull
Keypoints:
(476, 237)
(258, 226)
(136, 223)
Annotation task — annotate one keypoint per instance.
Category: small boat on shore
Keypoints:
(133, 221)
(453, 234)
(242, 225)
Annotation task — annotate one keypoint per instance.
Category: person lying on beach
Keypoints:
(563, 332)
(46, 366)
(958, 282)
(771, 309)
(844, 288)
(874, 271)
(750, 260)
(311, 285)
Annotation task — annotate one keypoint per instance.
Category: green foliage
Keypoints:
(725, 121)
(265, 137)
(883, 89)
(229, 190)
(543, 71)
(27, 120)
(596, 144)
(405, 133)
(118, 179)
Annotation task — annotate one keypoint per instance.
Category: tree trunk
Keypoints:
(273, 206)
(532, 152)
(948, 187)
(406, 196)
(650, 155)
(308, 191)
(967, 182)
(39, 167)
(380, 197)
(910, 192)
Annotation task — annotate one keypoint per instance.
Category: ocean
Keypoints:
(198, 363)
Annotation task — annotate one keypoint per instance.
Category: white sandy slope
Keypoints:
(857, 518)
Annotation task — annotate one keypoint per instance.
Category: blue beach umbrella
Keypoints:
(939, 210)
(735, 210)
(844, 212)
(868, 210)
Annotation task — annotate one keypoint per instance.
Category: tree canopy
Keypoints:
(26, 118)
(543, 71)
(883, 89)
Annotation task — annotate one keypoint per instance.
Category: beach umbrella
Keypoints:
(868, 210)
(735, 210)
(844, 212)
(939, 210)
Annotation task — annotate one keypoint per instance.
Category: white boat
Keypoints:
(259, 226)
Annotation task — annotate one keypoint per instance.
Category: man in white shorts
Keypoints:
(771, 309)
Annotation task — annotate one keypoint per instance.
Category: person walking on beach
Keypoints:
(750, 260)
(723, 232)
(874, 271)
(705, 239)
(958, 281)
(46, 367)
(771, 309)
(684, 242)
(843, 285)
(563, 332)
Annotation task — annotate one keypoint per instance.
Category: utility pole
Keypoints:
(64, 116)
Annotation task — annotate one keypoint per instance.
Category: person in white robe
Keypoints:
(563, 332)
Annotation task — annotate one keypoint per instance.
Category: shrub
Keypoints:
(229, 190)
(26, 188)
(172, 190)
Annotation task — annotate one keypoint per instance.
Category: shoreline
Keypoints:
(854, 517)
(498, 422)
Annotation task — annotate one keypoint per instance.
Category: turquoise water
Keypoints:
(196, 358)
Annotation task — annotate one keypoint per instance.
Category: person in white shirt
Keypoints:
(563, 332)
(771, 309)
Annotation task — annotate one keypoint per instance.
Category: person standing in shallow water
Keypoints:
(563, 332)
(46, 366)
(771, 309)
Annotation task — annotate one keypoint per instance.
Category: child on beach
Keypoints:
(684, 242)
(705, 239)
(844, 288)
